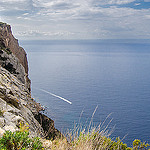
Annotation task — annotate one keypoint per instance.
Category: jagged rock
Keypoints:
(2, 122)
(11, 63)
(17, 120)
(48, 126)
(2, 131)
(16, 104)
(13, 57)
(7, 40)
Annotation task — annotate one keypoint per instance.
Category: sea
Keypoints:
(93, 82)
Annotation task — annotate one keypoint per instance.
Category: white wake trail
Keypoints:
(57, 96)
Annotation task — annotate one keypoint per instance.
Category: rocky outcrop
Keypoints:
(11, 63)
(48, 126)
(9, 42)
(16, 104)
(12, 56)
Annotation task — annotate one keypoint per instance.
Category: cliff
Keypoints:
(16, 104)
(9, 42)
(12, 56)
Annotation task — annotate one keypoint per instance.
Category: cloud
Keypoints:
(137, 4)
(113, 2)
(53, 4)
(76, 19)
(13, 5)
(39, 34)
(25, 14)
(12, 1)
(120, 2)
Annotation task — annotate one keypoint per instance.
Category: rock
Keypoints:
(16, 104)
(2, 131)
(10, 128)
(47, 144)
(8, 41)
(48, 126)
(17, 120)
(13, 57)
(11, 63)
(2, 122)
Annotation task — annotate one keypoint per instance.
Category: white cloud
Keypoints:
(39, 34)
(137, 4)
(76, 19)
(12, 1)
(119, 2)
(112, 2)
(50, 4)
(25, 14)
(147, 16)
(15, 5)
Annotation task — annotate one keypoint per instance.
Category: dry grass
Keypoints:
(93, 138)
(85, 138)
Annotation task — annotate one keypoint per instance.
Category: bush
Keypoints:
(78, 139)
(19, 140)
(91, 140)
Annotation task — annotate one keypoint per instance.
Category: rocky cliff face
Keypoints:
(9, 42)
(12, 56)
(16, 104)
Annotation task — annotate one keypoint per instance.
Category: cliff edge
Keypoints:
(16, 104)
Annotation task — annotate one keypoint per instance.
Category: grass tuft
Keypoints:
(87, 138)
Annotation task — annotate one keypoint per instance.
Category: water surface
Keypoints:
(115, 75)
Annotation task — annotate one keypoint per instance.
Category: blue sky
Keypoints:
(77, 19)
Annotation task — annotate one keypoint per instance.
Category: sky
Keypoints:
(77, 19)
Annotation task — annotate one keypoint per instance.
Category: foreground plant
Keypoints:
(91, 140)
(19, 140)
(78, 139)
(95, 141)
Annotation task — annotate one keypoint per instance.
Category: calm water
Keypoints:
(115, 75)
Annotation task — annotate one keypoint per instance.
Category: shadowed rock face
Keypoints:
(17, 105)
(8, 41)
(12, 56)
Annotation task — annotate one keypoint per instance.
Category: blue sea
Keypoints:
(110, 75)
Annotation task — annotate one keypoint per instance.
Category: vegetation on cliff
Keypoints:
(19, 140)
(95, 139)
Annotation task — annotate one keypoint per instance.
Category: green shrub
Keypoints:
(93, 140)
(36, 144)
(19, 140)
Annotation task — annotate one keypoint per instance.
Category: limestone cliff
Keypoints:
(9, 42)
(16, 104)
(12, 56)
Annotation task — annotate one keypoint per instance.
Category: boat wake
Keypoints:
(56, 96)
